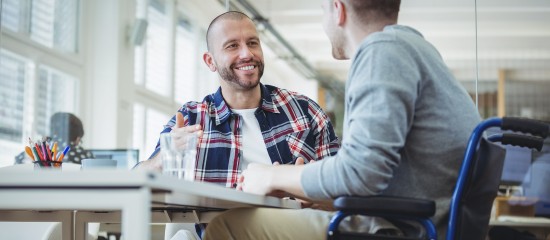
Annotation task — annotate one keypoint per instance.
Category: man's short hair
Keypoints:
(368, 10)
(232, 15)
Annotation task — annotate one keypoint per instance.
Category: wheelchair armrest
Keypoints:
(384, 205)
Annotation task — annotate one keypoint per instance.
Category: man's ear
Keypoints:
(340, 13)
(209, 60)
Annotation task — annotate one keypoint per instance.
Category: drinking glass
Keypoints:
(178, 154)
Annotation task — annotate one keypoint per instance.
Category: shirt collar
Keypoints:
(223, 112)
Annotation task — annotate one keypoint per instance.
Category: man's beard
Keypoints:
(228, 74)
(337, 41)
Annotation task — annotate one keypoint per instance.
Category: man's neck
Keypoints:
(242, 99)
(358, 33)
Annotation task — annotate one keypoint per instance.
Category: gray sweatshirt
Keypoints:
(406, 125)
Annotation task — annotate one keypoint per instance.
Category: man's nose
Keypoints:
(245, 52)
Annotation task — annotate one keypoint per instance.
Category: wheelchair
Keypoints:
(473, 194)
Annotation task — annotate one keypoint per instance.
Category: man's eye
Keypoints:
(232, 46)
(253, 43)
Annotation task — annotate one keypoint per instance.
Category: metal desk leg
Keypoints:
(136, 215)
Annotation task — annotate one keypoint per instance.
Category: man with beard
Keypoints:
(246, 121)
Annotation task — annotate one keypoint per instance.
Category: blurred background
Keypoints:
(124, 67)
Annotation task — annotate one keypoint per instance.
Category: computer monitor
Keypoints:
(516, 166)
(126, 158)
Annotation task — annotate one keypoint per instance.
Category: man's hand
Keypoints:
(240, 178)
(178, 133)
(276, 180)
(257, 179)
(301, 161)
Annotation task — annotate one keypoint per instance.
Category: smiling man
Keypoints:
(246, 121)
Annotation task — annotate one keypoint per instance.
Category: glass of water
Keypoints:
(178, 154)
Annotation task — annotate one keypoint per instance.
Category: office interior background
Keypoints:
(92, 58)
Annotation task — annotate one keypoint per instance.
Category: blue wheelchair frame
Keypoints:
(422, 216)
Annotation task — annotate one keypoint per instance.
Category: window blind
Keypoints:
(12, 92)
(11, 11)
(54, 93)
(54, 23)
(156, 50)
(186, 63)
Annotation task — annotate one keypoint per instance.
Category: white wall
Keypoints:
(107, 89)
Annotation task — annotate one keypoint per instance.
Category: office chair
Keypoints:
(473, 194)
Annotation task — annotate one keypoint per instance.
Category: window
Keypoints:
(11, 12)
(148, 123)
(12, 90)
(52, 23)
(168, 70)
(156, 71)
(155, 52)
(186, 60)
(54, 93)
(36, 36)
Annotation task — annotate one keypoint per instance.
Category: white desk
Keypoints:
(541, 230)
(133, 193)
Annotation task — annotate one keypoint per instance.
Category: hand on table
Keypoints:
(258, 178)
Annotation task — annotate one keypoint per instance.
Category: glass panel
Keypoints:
(11, 12)
(154, 120)
(12, 110)
(514, 55)
(156, 50)
(530, 99)
(186, 61)
(12, 91)
(138, 131)
(54, 23)
(66, 25)
(450, 27)
(54, 93)
(487, 96)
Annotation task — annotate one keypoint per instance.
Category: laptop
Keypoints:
(126, 158)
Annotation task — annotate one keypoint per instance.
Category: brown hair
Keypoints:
(373, 10)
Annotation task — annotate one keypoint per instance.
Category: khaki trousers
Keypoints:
(269, 223)
(272, 223)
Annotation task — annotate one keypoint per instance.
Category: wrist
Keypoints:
(273, 179)
(286, 178)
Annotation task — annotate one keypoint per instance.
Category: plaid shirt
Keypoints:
(292, 126)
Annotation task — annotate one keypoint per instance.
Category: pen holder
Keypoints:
(47, 165)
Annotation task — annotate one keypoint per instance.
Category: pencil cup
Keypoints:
(178, 154)
(47, 165)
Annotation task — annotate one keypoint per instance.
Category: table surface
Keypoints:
(166, 191)
(133, 198)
